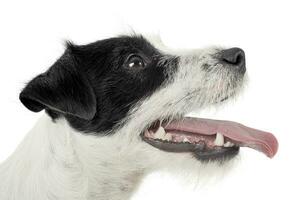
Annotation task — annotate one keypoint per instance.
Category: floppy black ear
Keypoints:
(63, 88)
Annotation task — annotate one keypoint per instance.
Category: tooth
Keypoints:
(219, 140)
(228, 144)
(160, 133)
(167, 137)
(185, 140)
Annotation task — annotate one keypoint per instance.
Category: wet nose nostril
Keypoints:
(234, 56)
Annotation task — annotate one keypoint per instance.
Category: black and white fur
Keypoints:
(87, 144)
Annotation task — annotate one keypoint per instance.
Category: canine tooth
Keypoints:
(228, 144)
(219, 140)
(185, 140)
(160, 133)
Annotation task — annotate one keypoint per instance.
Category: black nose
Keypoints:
(235, 57)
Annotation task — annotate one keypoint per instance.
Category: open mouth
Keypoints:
(208, 139)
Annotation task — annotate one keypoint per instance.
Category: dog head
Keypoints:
(134, 95)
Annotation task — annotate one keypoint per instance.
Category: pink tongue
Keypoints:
(240, 134)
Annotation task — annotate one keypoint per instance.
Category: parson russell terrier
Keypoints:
(116, 110)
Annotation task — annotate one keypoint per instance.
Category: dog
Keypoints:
(116, 110)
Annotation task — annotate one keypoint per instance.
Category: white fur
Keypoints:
(56, 162)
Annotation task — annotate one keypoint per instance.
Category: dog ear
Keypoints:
(63, 88)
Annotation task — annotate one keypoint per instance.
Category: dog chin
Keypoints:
(189, 170)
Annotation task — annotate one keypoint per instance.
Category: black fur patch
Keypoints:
(94, 86)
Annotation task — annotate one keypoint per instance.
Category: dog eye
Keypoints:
(135, 61)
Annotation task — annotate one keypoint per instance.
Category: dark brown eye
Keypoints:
(135, 62)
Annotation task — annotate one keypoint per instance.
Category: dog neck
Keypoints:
(56, 162)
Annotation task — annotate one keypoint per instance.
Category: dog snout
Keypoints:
(235, 57)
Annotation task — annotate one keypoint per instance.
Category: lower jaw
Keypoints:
(217, 154)
(199, 151)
